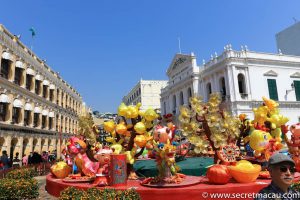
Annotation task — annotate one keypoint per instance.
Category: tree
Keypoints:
(204, 124)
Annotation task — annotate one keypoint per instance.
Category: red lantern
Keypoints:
(218, 174)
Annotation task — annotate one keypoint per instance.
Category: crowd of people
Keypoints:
(33, 158)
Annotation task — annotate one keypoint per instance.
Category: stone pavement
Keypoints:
(43, 193)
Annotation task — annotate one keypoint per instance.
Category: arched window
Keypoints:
(181, 98)
(222, 87)
(174, 105)
(189, 92)
(208, 89)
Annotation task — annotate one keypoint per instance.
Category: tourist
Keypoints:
(5, 160)
(25, 160)
(282, 169)
(16, 161)
(30, 158)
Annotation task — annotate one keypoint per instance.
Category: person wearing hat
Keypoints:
(282, 169)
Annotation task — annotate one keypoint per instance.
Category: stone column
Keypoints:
(32, 85)
(31, 118)
(8, 144)
(21, 116)
(62, 121)
(47, 123)
(20, 141)
(30, 144)
(54, 123)
(41, 88)
(39, 145)
(23, 78)
(47, 144)
(58, 149)
(8, 117)
(12, 67)
(59, 97)
(39, 124)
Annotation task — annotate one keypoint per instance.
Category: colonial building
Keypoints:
(183, 83)
(242, 78)
(146, 92)
(38, 109)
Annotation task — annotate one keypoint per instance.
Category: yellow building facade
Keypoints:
(38, 109)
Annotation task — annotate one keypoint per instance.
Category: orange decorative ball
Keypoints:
(218, 174)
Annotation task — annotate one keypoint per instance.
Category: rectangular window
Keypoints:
(51, 95)
(3, 109)
(28, 81)
(36, 119)
(4, 68)
(26, 117)
(15, 117)
(43, 121)
(272, 89)
(297, 90)
(50, 123)
(45, 88)
(18, 75)
(37, 86)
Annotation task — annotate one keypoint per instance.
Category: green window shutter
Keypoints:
(272, 89)
(297, 89)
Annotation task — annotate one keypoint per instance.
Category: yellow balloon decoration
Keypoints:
(122, 110)
(121, 128)
(150, 114)
(109, 126)
(260, 114)
(271, 104)
(140, 128)
(259, 140)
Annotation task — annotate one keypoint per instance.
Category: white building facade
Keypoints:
(146, 92)
(183, 83)
(242, 77)
(38, 109)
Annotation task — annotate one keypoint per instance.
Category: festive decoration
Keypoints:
(228, 153)
(61, 170)
(102, 176)
(206, 125)
(218, 174)
(259, 141)
(165, 161)
(118, 171)
(132, 130)
(294, 142)
(244, 171)
(264, 132)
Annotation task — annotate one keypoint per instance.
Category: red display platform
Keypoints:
(199, 191)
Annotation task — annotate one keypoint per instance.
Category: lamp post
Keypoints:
(288, 91)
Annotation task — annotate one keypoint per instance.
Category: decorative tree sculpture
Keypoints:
(130, 132)
(204, 124)
(88, 129)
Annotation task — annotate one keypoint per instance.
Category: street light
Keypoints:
(288, 91)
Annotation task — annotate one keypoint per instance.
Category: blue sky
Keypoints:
(104, 47)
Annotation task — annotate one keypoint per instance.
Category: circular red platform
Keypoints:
(200, 191)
